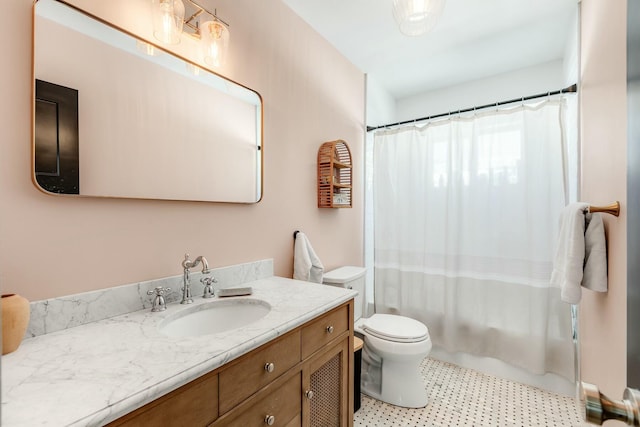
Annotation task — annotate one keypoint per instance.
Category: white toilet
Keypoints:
(394, 347)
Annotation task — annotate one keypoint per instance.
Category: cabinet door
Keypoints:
(326, 387)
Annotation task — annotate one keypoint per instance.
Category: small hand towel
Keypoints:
(595, 256)
(306, 264)
(570, 252)
(581, 254)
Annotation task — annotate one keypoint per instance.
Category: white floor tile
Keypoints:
(464, 397)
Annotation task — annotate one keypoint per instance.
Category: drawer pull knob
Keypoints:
(269, 367)
(309, 394)
(329, 329)
(269, 420)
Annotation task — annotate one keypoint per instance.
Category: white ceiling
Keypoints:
(474, 39)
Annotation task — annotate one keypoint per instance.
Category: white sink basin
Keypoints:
(214, 317)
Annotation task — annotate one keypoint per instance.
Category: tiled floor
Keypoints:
(464, 397)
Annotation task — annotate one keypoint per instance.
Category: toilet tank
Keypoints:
(351, 278)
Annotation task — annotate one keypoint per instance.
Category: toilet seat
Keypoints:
(395, 328)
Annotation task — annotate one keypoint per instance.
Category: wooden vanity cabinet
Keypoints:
(302, 379)
(194, 404)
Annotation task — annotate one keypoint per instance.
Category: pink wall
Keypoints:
(52, 246)
(604, 166)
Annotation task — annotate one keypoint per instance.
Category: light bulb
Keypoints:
(215, 41)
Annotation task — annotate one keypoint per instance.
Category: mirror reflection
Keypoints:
(116, 117)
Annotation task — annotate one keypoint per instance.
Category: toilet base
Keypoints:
(397, 382)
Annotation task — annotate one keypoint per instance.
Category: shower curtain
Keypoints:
(465, 223)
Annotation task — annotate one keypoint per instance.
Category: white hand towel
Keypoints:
(595, 261)
(570, 252)
(306, 264)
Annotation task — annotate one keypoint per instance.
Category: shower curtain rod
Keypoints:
(571, 89)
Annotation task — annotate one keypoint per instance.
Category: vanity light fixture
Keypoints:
(417, 17)
(168, 19)
(212, 32)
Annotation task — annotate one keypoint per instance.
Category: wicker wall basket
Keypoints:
(334, 175)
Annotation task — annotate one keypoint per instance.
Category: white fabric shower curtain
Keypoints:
(465, 221)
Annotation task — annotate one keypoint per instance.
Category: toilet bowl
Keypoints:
(394, 347)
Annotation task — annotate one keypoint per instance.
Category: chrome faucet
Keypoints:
(186, 281)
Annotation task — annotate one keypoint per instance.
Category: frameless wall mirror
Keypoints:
(117, 117)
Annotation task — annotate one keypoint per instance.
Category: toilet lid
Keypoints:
(391, 327)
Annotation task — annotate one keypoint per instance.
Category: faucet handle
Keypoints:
(159, 291)
(158, 303)
(208, 288)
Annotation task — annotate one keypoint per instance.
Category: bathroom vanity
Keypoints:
(293, 367)
(301, 378)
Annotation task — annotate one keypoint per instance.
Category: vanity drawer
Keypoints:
(257, 369)
(281, 400)
(323, 330)
(194, 404)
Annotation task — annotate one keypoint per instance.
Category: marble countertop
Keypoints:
(92, 374)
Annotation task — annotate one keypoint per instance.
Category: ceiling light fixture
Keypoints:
(417, 17)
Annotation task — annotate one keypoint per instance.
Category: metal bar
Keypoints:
(205, 10)
(571, 89)
(613, 209)
(192, 17)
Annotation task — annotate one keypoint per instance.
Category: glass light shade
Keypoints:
(215, 42)
(168, 18)
(417, 17)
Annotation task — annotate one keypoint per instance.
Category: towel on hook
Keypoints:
(581, 258)
(595, 254)
(306, 264)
